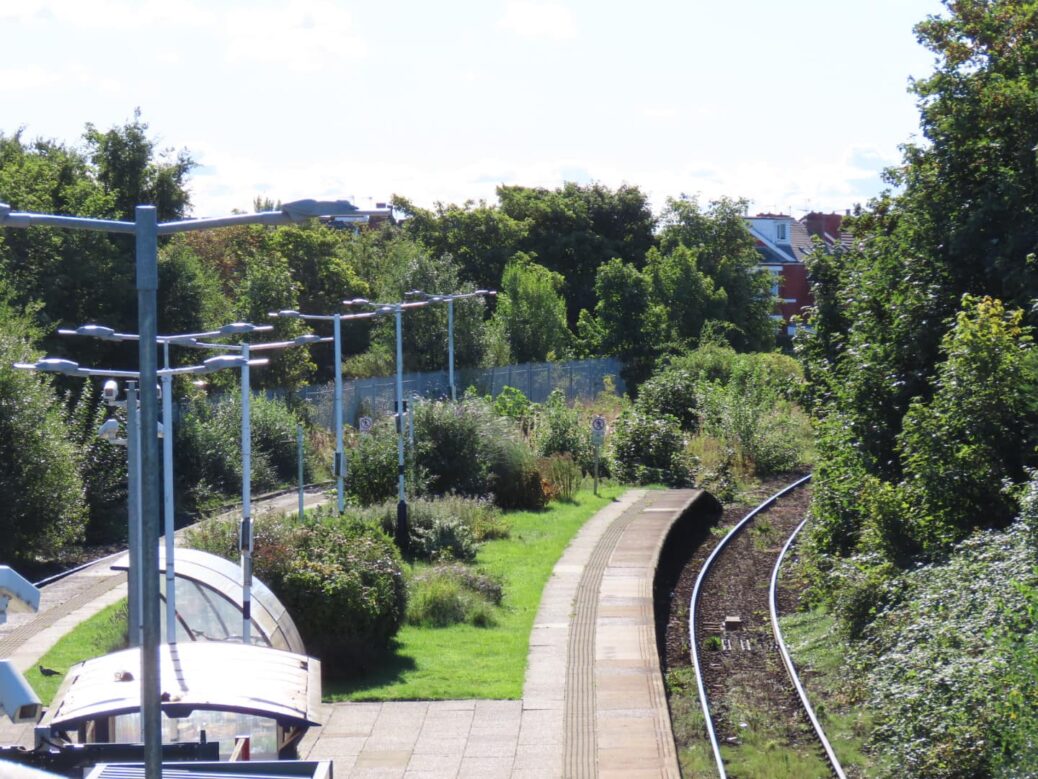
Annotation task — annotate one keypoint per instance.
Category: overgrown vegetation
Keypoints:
(924, 383)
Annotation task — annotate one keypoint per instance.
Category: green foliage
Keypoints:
(938, 676)
(531, 312)
(671, 392)
(563, 430)
(707, 269)
(208, 445)
(961, 447)
(340, 578)
(468, 449)
(443, 529)
(512, 403)
(648, 450)
(481, 238)
(41, 489)
(102, 468)
(626, 322)
(572, 230)
(451, 594)
(371, 474)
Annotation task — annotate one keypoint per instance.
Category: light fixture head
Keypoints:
(237, 328)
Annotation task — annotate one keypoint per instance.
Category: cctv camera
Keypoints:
(17, 699)
(110, 392)
(109, 431)
(16, 592)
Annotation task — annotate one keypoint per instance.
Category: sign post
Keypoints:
(598, 429)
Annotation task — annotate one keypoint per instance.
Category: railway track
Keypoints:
(747, 682)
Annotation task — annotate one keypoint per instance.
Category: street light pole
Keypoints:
(339, 465)
(402, 530)
(340, 459)
(146, 230)
(133, 487)
(449, 299)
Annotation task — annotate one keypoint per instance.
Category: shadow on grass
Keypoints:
(389, 669)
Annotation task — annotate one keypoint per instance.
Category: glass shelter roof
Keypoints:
(209, 597)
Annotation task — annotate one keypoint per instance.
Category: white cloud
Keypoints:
(28, 78)
(539, 20)
(303, 38)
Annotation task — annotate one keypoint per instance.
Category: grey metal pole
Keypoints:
(299, 448)
(167, 474)
(340, 460)
(133, 488)
(450, 347)
(245, 531)
(402, 537)
(147, 245)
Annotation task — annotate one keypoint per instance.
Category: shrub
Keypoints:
(41, 490)
(467, 449)
(447, 528)
(561, 474)
(648, 449)
(371, 471)
(673, 392)
(451, 445)
(561, 430)
(340, 578)
(449, 595)
(208, 445)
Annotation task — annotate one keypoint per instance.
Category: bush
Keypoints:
(42, 504)
(450, 595)
(561, 430)
(466, 448)
(648, 450)
(673, 392)
(561, 474)
(447, 528)
(452, 440)
(340, 578)
(208, 445)
(371, 470)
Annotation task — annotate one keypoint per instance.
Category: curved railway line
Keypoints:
(742, 667)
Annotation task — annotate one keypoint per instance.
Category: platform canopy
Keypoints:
(209, 597)
(203, 676)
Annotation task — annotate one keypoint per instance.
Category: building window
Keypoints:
(780, 231)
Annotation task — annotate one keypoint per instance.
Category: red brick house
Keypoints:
(783, 243)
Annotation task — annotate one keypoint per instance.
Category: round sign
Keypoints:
(365, 424)
(598, 424)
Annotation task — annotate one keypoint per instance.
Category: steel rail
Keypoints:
(787, 661)
(711, 733)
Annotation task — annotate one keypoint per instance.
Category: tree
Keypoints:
(126, 167)
(531, 314)
(726, 256)
(572, 230)
(40, 487)
(480, 238)
(626, 322)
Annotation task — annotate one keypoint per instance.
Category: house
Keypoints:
(783, 243)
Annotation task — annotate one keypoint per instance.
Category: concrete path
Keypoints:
(593, 700)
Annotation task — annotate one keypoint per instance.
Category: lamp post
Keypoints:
(449, 299)
(146, 230)
(135, 576)
(109, 334)
(336, 320)
(245, 535)
(397, 309)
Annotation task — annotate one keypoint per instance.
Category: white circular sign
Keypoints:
(365, 424)
(598, 424)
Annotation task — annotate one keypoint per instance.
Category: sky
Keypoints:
(795, 105)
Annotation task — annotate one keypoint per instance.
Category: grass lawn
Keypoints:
(463, 661)
(103, 633)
